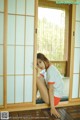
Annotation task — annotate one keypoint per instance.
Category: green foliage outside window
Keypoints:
(51, 34)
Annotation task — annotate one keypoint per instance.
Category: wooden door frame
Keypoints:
(71, 56)
(33, 106)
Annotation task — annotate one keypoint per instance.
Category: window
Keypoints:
(53, 33)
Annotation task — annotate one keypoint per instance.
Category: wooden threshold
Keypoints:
(38, 106)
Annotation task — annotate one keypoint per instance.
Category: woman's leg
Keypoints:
(43, 89)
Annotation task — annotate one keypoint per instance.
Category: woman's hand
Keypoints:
(55, 113)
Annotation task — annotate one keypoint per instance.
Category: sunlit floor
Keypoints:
(67, 113)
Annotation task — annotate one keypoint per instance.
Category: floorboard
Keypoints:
(67, 113)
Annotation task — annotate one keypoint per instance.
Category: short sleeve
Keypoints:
(51, 76)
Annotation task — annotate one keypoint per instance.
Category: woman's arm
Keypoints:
(51, 95)
(51, 99)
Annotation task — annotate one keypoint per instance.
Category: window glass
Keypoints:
(51, 33)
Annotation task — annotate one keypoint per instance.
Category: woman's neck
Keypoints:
(48, 65)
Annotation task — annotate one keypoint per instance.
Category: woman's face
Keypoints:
(40, 64)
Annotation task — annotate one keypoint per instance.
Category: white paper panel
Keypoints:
(75, 86)
(28, 88)
(77, 35)
(1, 27)
(66, 81)
(77, 12)
(10, 60)
(11, 6)
(30, 7)
(19, 89)
(1, 90)
(29, 60)
(10, 89)
(79, 88)
(76, 60)
(2, 5)
(19, 60)
(1, 59)
(20, 6)
(11, 30)
(29, 30)
(20, 30)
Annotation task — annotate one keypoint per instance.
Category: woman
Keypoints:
(51, 89)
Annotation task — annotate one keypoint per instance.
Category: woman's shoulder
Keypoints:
(51, 68)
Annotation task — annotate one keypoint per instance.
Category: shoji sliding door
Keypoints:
(20, 47)
(1, 49)
(17, 55)
(76, 68)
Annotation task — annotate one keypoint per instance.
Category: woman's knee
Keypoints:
(39, 79)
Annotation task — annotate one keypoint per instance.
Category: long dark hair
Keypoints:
(44, 59)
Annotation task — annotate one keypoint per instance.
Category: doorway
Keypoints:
(52, 39)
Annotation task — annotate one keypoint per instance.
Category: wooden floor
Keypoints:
(67, 113)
